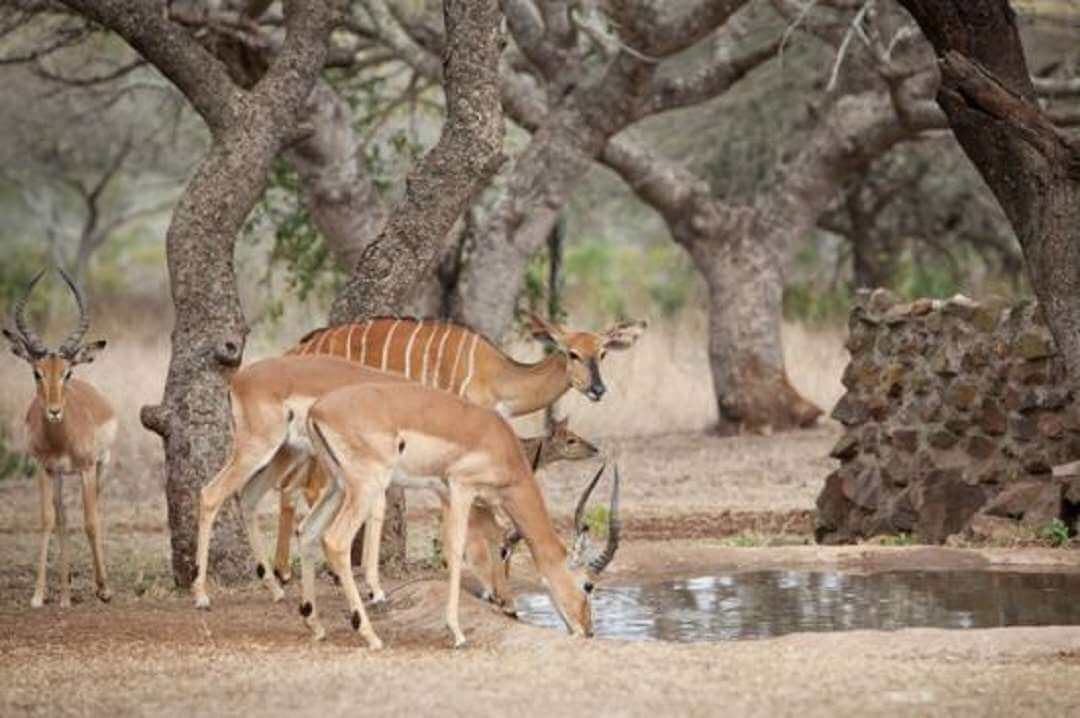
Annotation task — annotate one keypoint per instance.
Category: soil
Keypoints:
(151, 652)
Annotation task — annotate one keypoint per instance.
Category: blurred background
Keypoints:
(89, 174)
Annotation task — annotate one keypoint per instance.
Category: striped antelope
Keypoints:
(484, 539)
(70, 427)
(365, 434)
(454, 358)
(449, 356)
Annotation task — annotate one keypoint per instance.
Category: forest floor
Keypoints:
(692, 505)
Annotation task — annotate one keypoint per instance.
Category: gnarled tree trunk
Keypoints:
(468, 153)
(744, 275)
(248, 129)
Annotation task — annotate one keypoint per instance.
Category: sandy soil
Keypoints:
(150, 652)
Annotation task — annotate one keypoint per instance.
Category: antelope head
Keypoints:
(52, 369)
(562, 444)
(572, 591)
(585, 350)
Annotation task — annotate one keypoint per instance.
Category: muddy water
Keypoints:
(747, 605)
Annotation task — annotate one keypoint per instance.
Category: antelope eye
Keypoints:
(38, 376)
(575, 356)
(588, 586)
(571, 441)
(67, 375)
(603, 353)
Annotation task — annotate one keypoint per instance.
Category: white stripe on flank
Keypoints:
(427, 351)
(408, 347)
(472, 364)
(457, 358)
(323, 338)
(363, 340)
(438, 357)
(348, 342)
(386, 344)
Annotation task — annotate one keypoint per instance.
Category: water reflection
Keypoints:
(738, 606)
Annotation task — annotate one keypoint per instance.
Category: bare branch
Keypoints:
(1057, 86)
(662, 184)
(708, 81)
(41, 71)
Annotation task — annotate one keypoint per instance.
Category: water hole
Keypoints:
(762, 604)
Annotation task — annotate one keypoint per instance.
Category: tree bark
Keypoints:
(1032, 168)
(248, 129)
(743, 272)
(340, 195)
(467, 155)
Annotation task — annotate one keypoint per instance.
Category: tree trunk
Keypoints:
(1032, 168)
(207, 345)
(339, 193)
(468, 153)
(745, 282)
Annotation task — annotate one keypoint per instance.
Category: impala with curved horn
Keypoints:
(364, 435)
(452, 357)
(70, 428)
(483, 554)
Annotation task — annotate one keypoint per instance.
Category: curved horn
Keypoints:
(579, 512)
(71, 344)
(33, 343)
(599, 563)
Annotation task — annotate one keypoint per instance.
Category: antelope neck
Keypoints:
(525, 505)
(526, 388)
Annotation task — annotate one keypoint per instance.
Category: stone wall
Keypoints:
(955, 414)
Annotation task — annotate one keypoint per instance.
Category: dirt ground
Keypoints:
(692, 505)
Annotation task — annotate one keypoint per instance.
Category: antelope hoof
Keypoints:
(277, 594)
(283, 578)
(202, 603)
(459, 643)
(374, 644)
(376, 598)
(318, 633)
(37, 601)
(65, 602)
(104, 594)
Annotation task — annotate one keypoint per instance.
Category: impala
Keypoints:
(454, 358)
(365, 434)
(70, 427)
(269, 401)
(484, 538)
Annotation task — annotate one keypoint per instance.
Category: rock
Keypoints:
(1034, 345)
(942, 439)
(962, 395)
(944, 504)
(1013, 501)
(980, 447)
(995, 528)
(922, 307)
(992, 419)
(1022, 428)
(849, 411)
(905, 439)
(1051, 426)
(881, 300)
(846, 448)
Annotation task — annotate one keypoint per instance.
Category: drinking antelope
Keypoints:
(484, 539)
(269, 399)
(454, 358)
(70, 427)
(365, 434)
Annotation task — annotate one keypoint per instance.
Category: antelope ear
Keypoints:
(559, 424)
(18, 346)
(88, 352)
(623, 335)
(545, 331)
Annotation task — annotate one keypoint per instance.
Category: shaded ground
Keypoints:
(150, 652)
